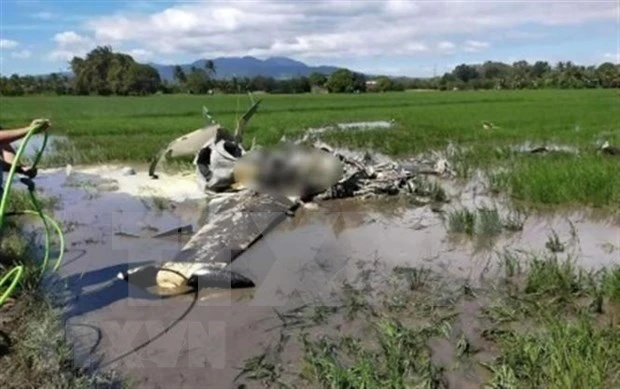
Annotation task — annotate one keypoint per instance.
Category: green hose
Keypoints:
(58, 230)
(17, 271)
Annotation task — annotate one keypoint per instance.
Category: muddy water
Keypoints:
(197, 341)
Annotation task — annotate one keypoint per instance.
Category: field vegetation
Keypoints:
(481, 130)
(542, 322)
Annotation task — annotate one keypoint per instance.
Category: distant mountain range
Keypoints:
(228, 67)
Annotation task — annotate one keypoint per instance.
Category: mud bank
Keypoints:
(201, 340)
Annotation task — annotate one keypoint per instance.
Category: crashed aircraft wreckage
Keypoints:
(253, 191)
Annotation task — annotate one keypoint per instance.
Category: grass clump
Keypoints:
(399, 360)
(554, 244)
(588, 180)
(560, 354)
(431, 189)
(20, 200)
(554, 277)
(484, 222)
(462, 221)
(489, 222)
(515, 220)
(416, 278)
(547, 332)
(260, 368)
(611, 283)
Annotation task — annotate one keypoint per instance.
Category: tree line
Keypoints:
(104, 72)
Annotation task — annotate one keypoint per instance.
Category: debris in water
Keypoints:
(128, 171)
(126, 235)
(200, 142)
(181, 230)
(541, 149)
(254, 191)
(606, 148)
(367, 175)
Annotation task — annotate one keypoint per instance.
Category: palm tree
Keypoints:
(210, 68)
(179, 75)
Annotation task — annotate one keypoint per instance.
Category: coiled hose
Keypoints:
(13, 277)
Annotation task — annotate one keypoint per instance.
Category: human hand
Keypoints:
(41, 124)
(30, 172)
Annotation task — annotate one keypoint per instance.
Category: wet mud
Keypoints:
(203, 339)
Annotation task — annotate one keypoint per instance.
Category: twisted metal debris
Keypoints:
(253, 194)
(370, 174)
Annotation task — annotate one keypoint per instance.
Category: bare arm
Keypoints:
(8, 136)
(8, 156)
(7, 151)
(5, 166)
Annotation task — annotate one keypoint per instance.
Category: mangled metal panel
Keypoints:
(233, 225)
(236, 224)
(200, 144)
(183, 146)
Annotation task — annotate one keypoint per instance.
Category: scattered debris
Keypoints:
(197, 142)
(181, 275)
(489, 126)
(541, 149)
(127, 235)
(366, 175)
(181, 230)
(216, 158)
(128, 171)
(606, 148)
(254, 191)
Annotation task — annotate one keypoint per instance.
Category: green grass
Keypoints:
(559, 328)
(483, 222)
(105, 129)
(130, 128)
(400, 361)
(542, 332)
(545, 322)
(560, 354)
(589, 180)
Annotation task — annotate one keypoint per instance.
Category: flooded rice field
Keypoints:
(346, 250)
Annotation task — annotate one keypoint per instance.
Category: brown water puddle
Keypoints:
(200, 340)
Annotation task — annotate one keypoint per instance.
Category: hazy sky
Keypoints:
(393, 36)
